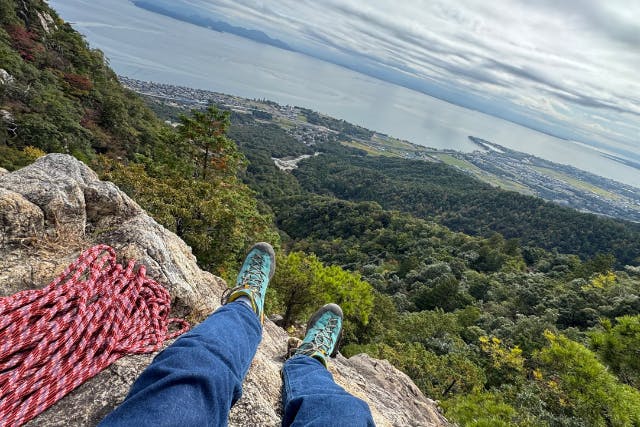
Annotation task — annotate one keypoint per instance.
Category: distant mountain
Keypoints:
(221, 26)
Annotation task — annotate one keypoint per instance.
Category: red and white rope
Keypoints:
(54, 339)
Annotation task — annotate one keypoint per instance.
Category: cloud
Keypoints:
(617, 20)
(568, 65)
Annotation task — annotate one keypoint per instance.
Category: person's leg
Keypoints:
(197, 379)
(312, 398)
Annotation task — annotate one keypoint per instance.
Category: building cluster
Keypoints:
(522, 170)
(311, 134)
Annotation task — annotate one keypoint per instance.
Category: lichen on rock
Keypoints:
(53, 209)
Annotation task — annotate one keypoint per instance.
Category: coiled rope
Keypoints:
(54, 339)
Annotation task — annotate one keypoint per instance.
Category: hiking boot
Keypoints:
(253, 278)
(324, 330)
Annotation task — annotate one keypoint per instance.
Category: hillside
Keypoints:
(410, 178)
(484, 324)
(494, 164)
(418, 185)
(58, 95)
(462, 203)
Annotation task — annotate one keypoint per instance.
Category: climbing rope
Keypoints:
(54, 339)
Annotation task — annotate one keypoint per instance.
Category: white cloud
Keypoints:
(572, 64)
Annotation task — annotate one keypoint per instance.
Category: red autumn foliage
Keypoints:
(25, 41)
(78, 82)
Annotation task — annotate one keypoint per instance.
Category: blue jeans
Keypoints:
(196, 380)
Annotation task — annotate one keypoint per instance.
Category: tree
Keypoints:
(576, 384)
(618, 346)
(206, 130)
(443, 292)
(293, 286)
(302, 283)
(437, 376)
(504, 365)
(481, 409)
(219, 219)
(346, 289)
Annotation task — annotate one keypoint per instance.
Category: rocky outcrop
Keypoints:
(5, 77)
(47, 22)
(53, 209)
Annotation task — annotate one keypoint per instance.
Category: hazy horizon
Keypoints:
(569, 71)
(145, 45)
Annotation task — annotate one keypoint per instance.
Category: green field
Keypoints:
(576, 183)
(369, 149)
(284, 123)
(505, 184)
(393, 143)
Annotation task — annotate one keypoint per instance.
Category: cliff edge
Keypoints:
(53, 209)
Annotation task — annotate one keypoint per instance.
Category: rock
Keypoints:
(9, 121)
(19, 218)
(634, 270)
(6, 116)
(3, 171)
(57, 187)
(386, 387)
(277, 319)
(47, 22)
(53, 209)
(5, 77)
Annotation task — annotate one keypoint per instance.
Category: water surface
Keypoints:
(148, 46)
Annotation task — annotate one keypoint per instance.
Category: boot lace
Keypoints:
(322, 340)
(252, 279)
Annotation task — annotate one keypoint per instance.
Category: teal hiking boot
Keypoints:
(254, 277)
(324, 330)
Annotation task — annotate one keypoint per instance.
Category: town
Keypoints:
(491, 163)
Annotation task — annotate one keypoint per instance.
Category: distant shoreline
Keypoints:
(626, 162)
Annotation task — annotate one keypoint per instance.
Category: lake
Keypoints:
(147, 46)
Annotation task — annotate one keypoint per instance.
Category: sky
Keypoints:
(565, 67)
